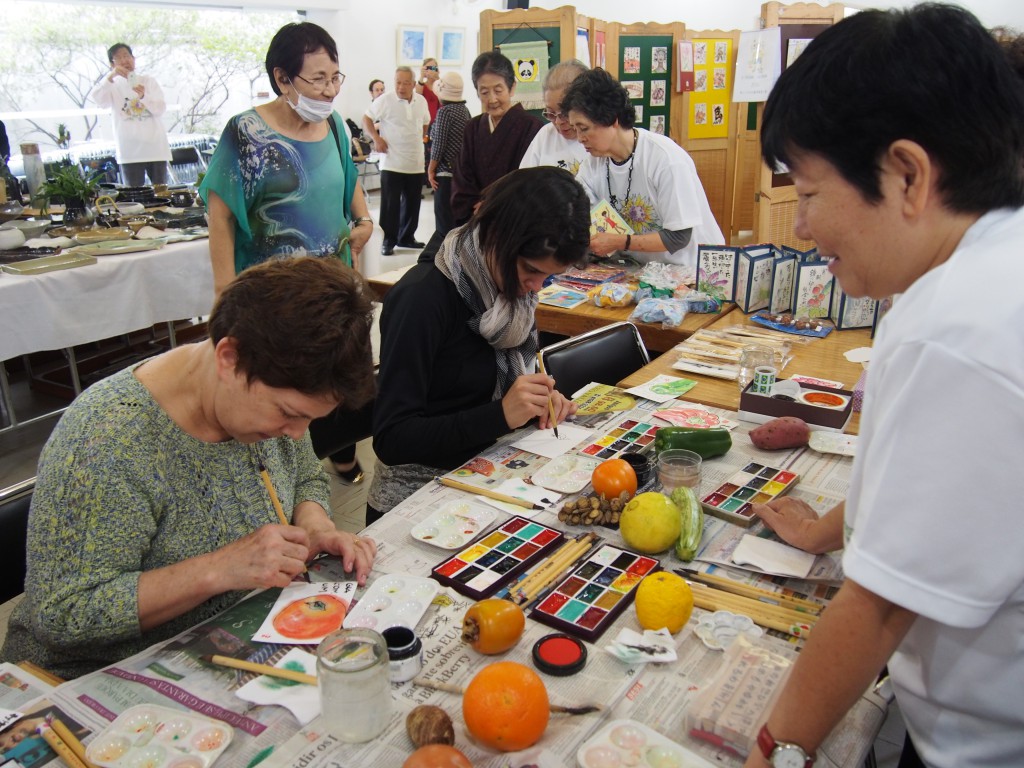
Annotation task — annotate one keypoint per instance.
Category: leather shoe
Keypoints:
(411, 244)
(387, 250)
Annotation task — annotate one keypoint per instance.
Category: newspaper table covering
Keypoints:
(173, 675)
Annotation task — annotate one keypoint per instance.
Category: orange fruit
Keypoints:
(506, 706)
(437, 756)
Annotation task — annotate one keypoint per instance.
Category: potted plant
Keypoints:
(73, 189)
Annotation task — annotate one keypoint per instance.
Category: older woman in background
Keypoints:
(458, 336)
(281, 182)
(376, 89)
(556, 143)
(495, 140)
(648, 178)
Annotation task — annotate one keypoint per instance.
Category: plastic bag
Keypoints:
(611, 295)
(669, 312)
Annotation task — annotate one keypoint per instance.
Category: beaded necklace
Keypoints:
(612, 198)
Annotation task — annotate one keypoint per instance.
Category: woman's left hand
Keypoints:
(604, 243)
(564, 408)
(358, 237)
(356, 552)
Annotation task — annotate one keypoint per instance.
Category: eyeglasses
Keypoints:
(553, 116)
(320, 82)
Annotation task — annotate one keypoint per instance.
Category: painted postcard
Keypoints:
(558, 296)
(304, 614)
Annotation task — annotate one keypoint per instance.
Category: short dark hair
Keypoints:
(290, 45)
(374, 82)
(600, 97)
(493, 63)
(112, 50)
(301, 324)
(533, 213)
(931, 74)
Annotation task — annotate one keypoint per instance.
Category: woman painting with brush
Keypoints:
(151, 512)
(458, 337)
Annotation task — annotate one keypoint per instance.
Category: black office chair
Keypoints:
(606, 355)
(14, 505)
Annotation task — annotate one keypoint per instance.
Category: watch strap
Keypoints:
(767, 744)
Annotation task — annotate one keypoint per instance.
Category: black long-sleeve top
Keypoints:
(436, 379)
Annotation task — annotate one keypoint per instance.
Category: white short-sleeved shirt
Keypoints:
(401, 125)
(549, 147)
(934, 517)
(664, 193)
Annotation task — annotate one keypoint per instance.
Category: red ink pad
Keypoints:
(559, 655)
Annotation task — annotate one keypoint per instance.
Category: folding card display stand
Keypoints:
(716, 271)
(849, 312)
(882, 306)
(812, 295)
(783, 280)
(754, 276)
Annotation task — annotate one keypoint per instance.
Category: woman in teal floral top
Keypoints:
(149, 513)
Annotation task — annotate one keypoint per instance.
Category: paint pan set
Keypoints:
(593, 594)
(627, 435)
(495, 559)
(754, 484)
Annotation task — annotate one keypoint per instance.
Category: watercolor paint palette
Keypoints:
(396, 600)
(627, 742)
(629, 434)
(454, 524)
(150, 736)
(586, 602)
(491, 562)
(754, 484)
(568, 473)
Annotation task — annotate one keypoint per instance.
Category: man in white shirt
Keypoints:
(398, 122)
(908, 169)
(137, 104)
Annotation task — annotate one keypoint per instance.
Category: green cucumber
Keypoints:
(706, 442)
(691, 516)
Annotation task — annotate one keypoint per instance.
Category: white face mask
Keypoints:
(311, 110)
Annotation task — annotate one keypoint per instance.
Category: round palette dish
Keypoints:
(629, 743)
(559, 655)
(396, 600)
(566, 473)
(453, 525)
(833, 442)
(824, 399)
(150, 736)
(718, 630)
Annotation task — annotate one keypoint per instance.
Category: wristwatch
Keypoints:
(782, 754)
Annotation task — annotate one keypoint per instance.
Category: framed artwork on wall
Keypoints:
(412, 45)
(450, 45)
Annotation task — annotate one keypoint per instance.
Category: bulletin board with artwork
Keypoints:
(645, 71)
(708, 116)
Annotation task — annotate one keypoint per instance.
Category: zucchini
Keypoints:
(691, 517)
(707, 442)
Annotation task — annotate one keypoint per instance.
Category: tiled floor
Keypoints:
(19, 450)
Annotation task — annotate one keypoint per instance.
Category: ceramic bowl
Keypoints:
(29, 227)
(10, 210)
(135, 223)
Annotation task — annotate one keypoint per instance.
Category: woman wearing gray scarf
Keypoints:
(458, 338)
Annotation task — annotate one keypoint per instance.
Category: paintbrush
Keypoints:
(551, 402)
(526, 503)
(57, 745)
(265, 475)
(458, 691)
(260, 669)
(71, 740)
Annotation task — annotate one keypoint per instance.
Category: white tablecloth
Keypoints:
(116, 295)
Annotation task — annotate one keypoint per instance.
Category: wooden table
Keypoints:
(820, 357)
(587, 317)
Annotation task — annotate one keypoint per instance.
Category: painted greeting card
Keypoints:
(304, 614)
(813, 293)
(716, 271)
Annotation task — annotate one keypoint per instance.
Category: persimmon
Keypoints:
(506, 706)
(493, 625)
(311, 617)
(437, 756)
(613, 477)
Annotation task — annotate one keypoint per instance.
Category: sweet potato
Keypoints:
(784, 432)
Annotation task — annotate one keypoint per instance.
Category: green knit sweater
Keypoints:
(122, 489)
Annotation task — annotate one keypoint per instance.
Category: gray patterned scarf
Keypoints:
(508, 326)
